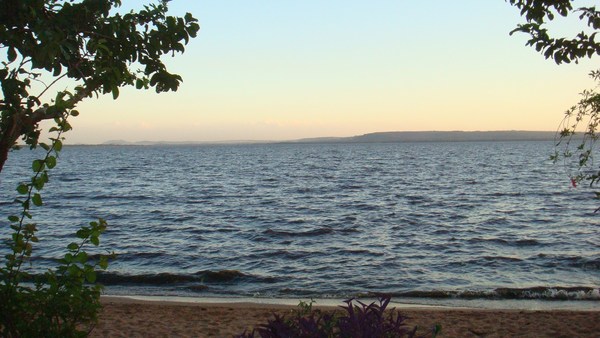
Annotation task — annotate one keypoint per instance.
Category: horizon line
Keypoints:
(317, 138)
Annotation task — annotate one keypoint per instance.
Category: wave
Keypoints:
(538, 292)
(516, 243)
(553, 261)
(202, 281)
(167, 278)
(550, 293)
(210, 281)
(114, 197)
(502, 258)
(309, 233)
(362, 252)
(146, 279)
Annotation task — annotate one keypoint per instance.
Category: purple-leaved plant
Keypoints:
(358, 321)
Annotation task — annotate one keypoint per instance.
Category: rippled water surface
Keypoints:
(324, 220)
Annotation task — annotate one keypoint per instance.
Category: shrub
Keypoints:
(64, 301)
(364, 321)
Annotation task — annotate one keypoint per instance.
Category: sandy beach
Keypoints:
(124, 317)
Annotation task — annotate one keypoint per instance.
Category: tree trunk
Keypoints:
(9, 138)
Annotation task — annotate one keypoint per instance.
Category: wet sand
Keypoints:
(124, 317)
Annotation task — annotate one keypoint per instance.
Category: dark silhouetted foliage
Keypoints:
(538, 13)
(357, 321)
(581, 120)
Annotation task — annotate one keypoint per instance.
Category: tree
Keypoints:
(83, 41)
(583, 118)
(537, 13)
(97, 50)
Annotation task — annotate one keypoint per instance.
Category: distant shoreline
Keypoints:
(378, 137)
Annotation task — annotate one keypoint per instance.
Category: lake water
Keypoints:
(444, 220)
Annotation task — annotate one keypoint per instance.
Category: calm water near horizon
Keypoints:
(444, 220)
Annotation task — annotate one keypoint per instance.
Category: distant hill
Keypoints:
(383, 137)
(438, 136)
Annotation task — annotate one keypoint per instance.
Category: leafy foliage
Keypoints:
(364, 321)
(85, 42)
(562, 50)
(100, 51)
(62, 302)
(580, 126)
(581, 121)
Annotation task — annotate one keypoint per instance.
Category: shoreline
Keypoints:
(151, 316)
(400, 303)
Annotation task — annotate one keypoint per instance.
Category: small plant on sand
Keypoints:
(356, 321)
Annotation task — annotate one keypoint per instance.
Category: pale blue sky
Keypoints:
(273, 70)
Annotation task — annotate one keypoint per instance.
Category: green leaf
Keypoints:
(58, 145)
(30, 227)
(37, 165)
(83, 232)
(39, 182)
(94, 240)
(81, 257)
(74, 112)
(11, 54)
(115, 92)
(22, 189)
(73, 246)
(37, 200)
(13, 218)
(51, 162)
(90, 275)
(57, 70)
(103, 263)
(74, 271)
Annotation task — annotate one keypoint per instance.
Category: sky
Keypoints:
(280, 70)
